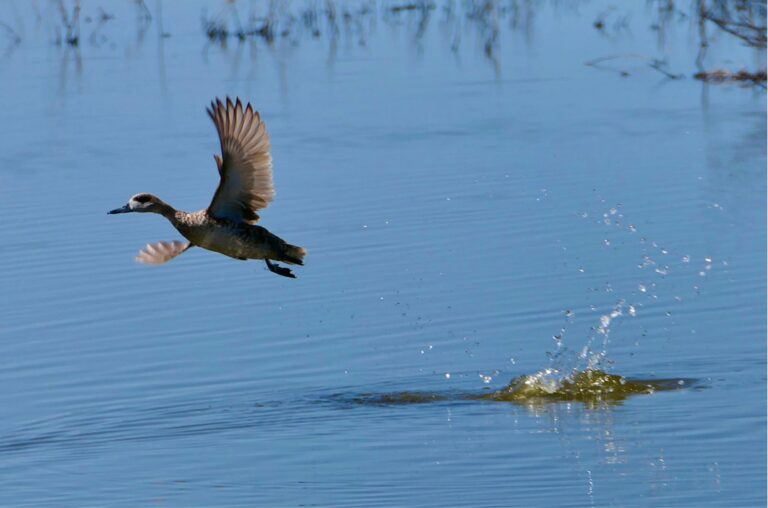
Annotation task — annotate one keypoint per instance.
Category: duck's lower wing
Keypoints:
(161, 252)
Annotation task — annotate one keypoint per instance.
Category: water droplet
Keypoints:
(642, 288)
(512, 360)
(447, 375)
(707, 260)
(632, 311)
(581, 270)
(584, 215)
(686, 259)
(607, 242)
(664, 251)
(632, 228)
(613, 211)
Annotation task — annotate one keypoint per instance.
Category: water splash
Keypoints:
(566, 364)
(580, 374)
(590, 386)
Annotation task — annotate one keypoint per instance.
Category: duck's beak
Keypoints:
(122, 209)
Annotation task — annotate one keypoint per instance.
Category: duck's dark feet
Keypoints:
(280, 270)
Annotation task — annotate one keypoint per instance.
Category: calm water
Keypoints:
(461, 207)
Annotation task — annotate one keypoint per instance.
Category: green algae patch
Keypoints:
(590, 386)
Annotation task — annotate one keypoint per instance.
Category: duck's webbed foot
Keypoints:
(280, 270)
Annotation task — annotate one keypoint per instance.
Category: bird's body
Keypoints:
(234, 239)
(227, 226)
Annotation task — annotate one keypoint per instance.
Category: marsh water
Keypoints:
(479, 206)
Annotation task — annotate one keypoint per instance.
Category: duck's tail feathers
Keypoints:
(293, 254)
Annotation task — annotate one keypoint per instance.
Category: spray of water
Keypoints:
(574, 372)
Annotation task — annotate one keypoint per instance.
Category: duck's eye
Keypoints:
(142, 198)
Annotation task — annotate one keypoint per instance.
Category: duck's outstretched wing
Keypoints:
(160, 252)
(245, 165)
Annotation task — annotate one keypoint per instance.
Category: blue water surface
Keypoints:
(473, 198)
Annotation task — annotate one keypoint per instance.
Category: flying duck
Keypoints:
(228, 225)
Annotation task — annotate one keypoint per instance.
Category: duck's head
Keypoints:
(142, 202)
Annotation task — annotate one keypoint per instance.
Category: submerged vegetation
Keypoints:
(743, 19)
(590, 387)
(722, 76)
(711, 19)
(482, 22)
